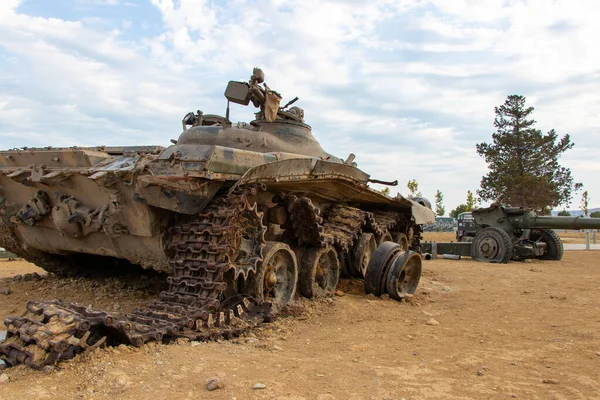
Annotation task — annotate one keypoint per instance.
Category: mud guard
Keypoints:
(330, 181)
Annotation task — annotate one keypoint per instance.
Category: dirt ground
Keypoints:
(518, 330)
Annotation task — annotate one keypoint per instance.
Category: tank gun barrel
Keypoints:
(530, 221)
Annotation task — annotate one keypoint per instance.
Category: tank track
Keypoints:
(202, 251)
(344, 225)
(382, 221)
(340, 225)
(305, 221)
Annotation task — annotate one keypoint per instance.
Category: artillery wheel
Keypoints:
(404, 275)
(554, 246)
(401, 239)
(319, 272)
(385, 237)
(365, 247)
(492, 245)
(277, 275)
(376, 273)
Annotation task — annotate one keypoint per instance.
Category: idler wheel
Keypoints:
(386, 237)
(378, 267)
(319, 272)
(492, 245)
(277, 275)
(404, 275)
(401, 239)
(363, 251)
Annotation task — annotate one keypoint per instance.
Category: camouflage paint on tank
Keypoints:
(119, 201)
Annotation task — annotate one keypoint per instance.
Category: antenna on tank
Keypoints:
(227, 111)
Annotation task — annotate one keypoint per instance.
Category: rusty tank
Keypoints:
(241, 216)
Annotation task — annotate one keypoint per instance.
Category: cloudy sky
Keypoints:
(409, 86)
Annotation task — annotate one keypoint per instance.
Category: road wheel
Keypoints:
(401, 239)
(404, 275)
(554, 246)
(386, 237)
(492, 245)
(378, 267)
(277, 275)
(319, 272)
(365, 247)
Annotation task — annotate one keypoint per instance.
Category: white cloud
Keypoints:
(408, 86)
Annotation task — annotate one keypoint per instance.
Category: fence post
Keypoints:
(587, 239)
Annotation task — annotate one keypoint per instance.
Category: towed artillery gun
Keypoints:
(503, 233)
(240, 216)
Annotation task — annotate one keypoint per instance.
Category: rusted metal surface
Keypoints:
(203, 250)
(239, 216)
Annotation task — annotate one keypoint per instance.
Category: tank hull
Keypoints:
(120, 203)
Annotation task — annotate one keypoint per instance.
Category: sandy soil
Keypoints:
(520, 330)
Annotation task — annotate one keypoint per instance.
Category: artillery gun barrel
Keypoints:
(539, 222)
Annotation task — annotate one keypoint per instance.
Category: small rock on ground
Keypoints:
(432, 321)
(4, 379)
(214, 384)
(550, 381)
(339, 293)
(48, 369)
(259, 386)
(5, 291)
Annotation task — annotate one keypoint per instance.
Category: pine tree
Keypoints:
(523, 162)
(470, 201)
(440, 210)
(585, 201)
